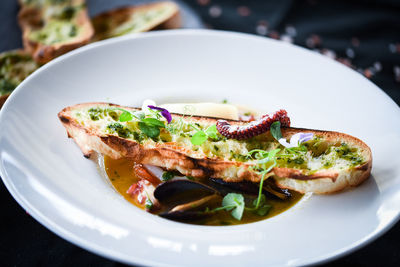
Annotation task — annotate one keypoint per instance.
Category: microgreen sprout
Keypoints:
(198, 138)
(276, 130)
(128, 116)
(212, 132)
(176, 126)
(125, 116)
(149, 126)
(201, 136)
(234, 203)
(168, 175)
(152, 131)
(294, 146)
(266, 162)
(148, 204)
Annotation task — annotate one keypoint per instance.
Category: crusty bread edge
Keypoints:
(345, 179)
(3, 99)
(21, 52)
(173, 22)
(42, 53)
(116, 147)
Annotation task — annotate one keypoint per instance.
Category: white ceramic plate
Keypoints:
(47, 174)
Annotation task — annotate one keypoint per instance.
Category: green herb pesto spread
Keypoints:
(310, 156)
(58, 20)
(138, 21)
(14, 68)
(47, 3)
(55, 32)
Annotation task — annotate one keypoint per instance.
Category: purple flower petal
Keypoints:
(165, 113)
(296, 139)
(304, 137)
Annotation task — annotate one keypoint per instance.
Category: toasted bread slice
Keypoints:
(133, 19)
(15, 66)
(333, 161)
(52, 28)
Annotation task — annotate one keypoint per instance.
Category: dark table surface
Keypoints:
(364, 35)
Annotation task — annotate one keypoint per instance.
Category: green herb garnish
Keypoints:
(125, 116)
(212, 132)
(201, 136)
(153, 122)
(234, 203)
(149, 126)
(148, 204)
(168, 175)
(128, 116)
(149, 130)
(263, 208)
(198, 138)
(266, 161)
(276, 130)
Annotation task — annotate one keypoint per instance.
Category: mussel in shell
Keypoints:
(185, 200)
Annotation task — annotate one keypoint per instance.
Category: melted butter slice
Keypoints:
(224, 111)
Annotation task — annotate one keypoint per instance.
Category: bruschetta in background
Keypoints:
(54, 27)
(15, 66)
(133, 19)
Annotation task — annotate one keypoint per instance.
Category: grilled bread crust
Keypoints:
(172, 157)
(19, 52)
(32, 18)
(105, 23)
(3, 99)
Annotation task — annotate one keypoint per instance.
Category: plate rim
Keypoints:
(113, 254)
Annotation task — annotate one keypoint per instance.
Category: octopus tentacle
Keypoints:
(253, 128)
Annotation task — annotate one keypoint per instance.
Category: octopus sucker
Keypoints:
(253, 128)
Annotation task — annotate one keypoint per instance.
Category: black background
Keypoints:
(365, 35)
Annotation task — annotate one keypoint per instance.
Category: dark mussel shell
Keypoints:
(167, 190)
(183, 192)
(269, 189)
(272, 188)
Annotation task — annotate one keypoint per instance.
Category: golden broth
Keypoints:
(121, 175)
